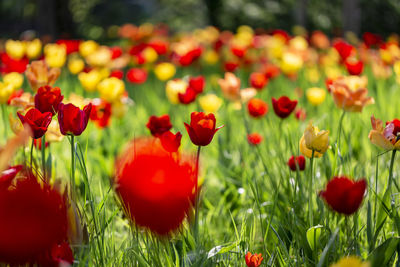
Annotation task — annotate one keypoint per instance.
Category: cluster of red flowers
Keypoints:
(194, 88)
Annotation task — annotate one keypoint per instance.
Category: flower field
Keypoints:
(204, 148)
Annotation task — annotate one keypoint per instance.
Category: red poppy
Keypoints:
(299, 161)
(156, 190)
(197, 84)
(354, 67)
(344, 195)
(33, 223)
(159, 125)
(73, 120)
(253, 260)
(136, 75)
(188, 97)
(257, 108)
(37, 121)
(254, 139)
(8, 175)
(72, 46)
(300, 114)
(47, 99)
(202, 128)
(119, 74)
(283, 106)
(101, 112)
(116, 52)
(258, 80)
(171, 142)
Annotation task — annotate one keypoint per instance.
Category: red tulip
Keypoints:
(202, 128)
(156, 190)
(270, 71)
(253, 260)
(159, 125)
(230, 66)
(62, 254)
(188, 97)
(297, 162)
(72, 120)
(171, 142)
(8, 175)
(371, 39)
(258, 80)
(119, 74)
(396, 128)
(197, 84)
(101, 112)
(254, 139)
(13, 65)
(257, 108)
(37, 121)
(283, 106)
(344, 49)
(33, 220)
(47, 99)
(354, 67)
(71, 45)
(136, 75)
(344, 195)
(238, 51)
(116, 52)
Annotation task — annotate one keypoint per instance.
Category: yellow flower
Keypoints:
(111, 89)
(298, 43)
(15, 49)
(76, 65)
(99, 58)
(55, 55)
(164, 71)
(119, 109)
(291, 63)
(350, 261)
(312, 74)
(396, 68)
(14, 78)
(305, 151)
(315, 139)
(88, 47)
(34, 48)
(384, 137)
(53, 133)
(150, 55)
(316, 95)
(211, 57)
(6, 90)
(173, 88)
(90, 80)
(210, 103)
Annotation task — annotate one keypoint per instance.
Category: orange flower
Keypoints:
(348, 99)
(385, 137)
(253, 260)
(39, 74)
(230, 86)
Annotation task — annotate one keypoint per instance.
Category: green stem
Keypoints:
(4, 114)
(44, 157)
(310, 190)
(391, 169)
(196, 211)
(72, 166)
(338, 142)
(33, 140)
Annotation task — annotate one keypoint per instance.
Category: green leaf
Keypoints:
(382, 255)
(313, 235)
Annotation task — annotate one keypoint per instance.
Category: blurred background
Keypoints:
(94, 19)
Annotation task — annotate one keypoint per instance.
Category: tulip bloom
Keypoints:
(298, 162)
(202, 128)
(258, 80)
(315, 139)
(39, 74)
(111, 89)
(72, 120)
(344, 195)
(210, 103)
(257, 108)
(230, 86)
(173, 88)
(354, 67)
(189, 96)
(385, 137)
(171, 142)
(47, 99)
(164, 71)
(300, 114)
(159, 125)
(254, 139)
(253, 260)
(283, 107)
(8, 175)
(37, 121)
(157, 191)
(101, 112)
(315, 95)
(197, 84)
(136, 75)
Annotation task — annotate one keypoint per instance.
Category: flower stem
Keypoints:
(391, 169)
(337, 153)
(4, 114)
(44, 157)
(33, 140)
(310, 191)
(196, 211)
(72, 185)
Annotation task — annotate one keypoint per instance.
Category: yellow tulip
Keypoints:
(119, 109)
(173, 88)
(111, 89)
(100, 57)
(90, 80)
(164, 71)
(6, 90)
(15, 49)
(53, 133)
(88, 47)
(298, 43)
(291, 63)
(55, 55)
(150, 55)
(316, 95)
(315, 139)
(14, 78)
(210, 103)
(211, 57)
(350, 261)
(34, 48)
(76, 65)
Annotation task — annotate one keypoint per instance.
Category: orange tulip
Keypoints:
(39, 74)
(230, 86)
(384, 137)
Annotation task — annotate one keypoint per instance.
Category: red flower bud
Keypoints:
(72, 119)
(47, 99)
(283, 106)
(354, 67)
(344, 195)
(202, 128)
(159, 125)
(254, 139)
(257, 108)
(171, 142)
(188, 97)
(297, 162)
(101, 112)
(37, 121)
(119, 74)
(136, 75)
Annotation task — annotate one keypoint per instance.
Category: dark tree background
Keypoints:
(92, 18)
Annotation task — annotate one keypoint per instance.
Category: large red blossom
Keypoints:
(283, 106)
(344, 195)
(72, 119)
(33, 220)
(37, 121)
(202, 128)
(156, 190)
(47, 99)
